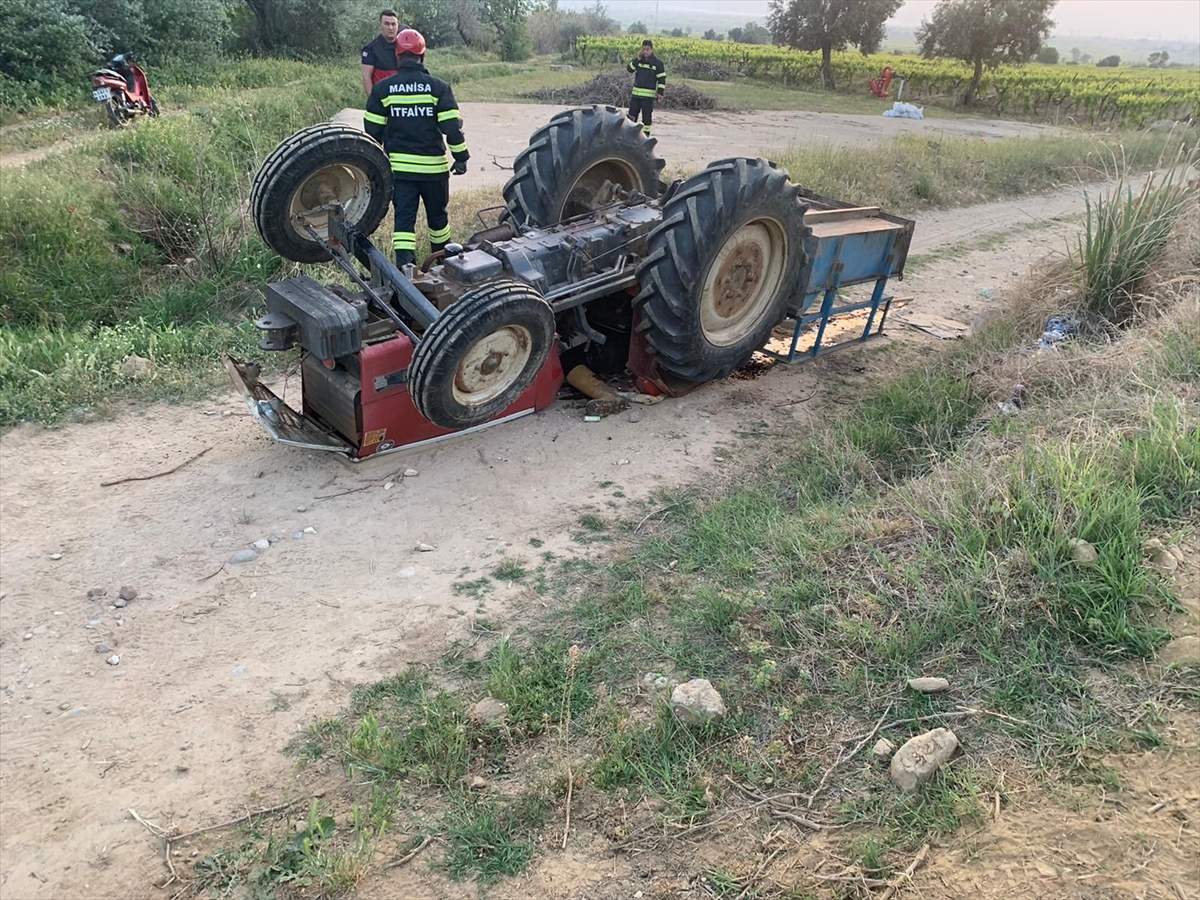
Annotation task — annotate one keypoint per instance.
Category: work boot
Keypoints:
(404, 258)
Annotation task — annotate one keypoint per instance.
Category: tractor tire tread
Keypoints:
(279, 175)
(696, 221)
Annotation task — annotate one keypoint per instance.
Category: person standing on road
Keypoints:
(415, 116)
(379, 56)
(649, 83)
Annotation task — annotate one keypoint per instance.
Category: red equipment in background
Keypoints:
(879, 86)
(123, 89)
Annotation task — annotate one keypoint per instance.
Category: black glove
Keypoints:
(459, 167)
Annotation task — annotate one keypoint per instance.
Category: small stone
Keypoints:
(410, 473)
(406, 573)
(634, 416)
(273, 539)
(883, 750)
(96, 593)
(929, 685)
(103, 648)
(64, 706)
(1163, 562)
(239, 670)
(1183, 651)
(225, 414)
(490, 537)
(262, 544)
(488, 711)
(244, 556)
(120, 603)
(127, 593)
(208, 524)
(697, 701)
(40, 629)
(1082, 553)
(296, 535)
(301, 508)
(479, 783)
(622, 462)
(310, 530)
(259, 474)
(920, 757)
(137, 367)
(389, 485)
(93, 623)
(113, 660)
(56, 556)
(28, 636)
(422, 547)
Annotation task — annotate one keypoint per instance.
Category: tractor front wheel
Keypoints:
(481, 355)
(721, 268)
(315, 168)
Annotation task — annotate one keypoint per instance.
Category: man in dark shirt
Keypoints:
(415, 116)
(379, 56)
(649, 83)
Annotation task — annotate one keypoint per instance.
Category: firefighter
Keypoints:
(649, 83)
(409, 114)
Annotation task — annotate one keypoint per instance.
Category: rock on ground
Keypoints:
(1183, 651)
(929, 685)
(697, 702)
(243, 556)
(883, 750)
(920, 757)
(127, 593)
(489, 711)
(1082, 553)
(136, 367)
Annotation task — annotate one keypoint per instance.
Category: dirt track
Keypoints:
(497, 132)
(183, 729)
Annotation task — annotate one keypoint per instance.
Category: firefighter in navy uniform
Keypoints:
(649, 83)
(415, 116)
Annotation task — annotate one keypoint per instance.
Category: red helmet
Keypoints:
(410, 41)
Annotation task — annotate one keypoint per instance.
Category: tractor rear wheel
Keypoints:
(481, 354)
(721, 268)
(562, 171)
(317, 166)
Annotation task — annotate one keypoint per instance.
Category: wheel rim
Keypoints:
(743, 281)
(492, 365)
(347, 186)
(581, 198)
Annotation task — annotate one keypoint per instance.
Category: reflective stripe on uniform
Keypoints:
(375, 118)
(408, 99)
(404, 240)
(439, 235)
(410, 162)
(662, 76)
(448, 115)
(458, 148)
(644, 92)
(646, 129)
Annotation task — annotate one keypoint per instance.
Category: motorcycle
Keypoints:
(123, 90)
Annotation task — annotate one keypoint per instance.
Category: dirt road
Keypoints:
(220, 664)
(501, 130)
(497, 132)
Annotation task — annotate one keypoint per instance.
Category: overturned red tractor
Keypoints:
(594, 260)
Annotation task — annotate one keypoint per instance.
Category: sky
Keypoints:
(1177, 20)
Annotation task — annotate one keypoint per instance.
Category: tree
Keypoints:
(638, 27)
(753, 33)
(1075, 54)
(507, 18)
(1159, 59)
(1109, 62)
(1086, 58)
(46, 30)
(711, 35)
(1047, 56)
(986, 33)
(735, 35)
(829, 25)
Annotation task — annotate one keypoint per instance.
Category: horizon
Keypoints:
(1162, 20)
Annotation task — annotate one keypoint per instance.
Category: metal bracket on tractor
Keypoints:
(595, 261)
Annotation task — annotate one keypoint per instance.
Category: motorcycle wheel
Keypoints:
(153, 108)
(116, 115)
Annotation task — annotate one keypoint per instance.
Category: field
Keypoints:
(807, 538)
(1086, 95)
